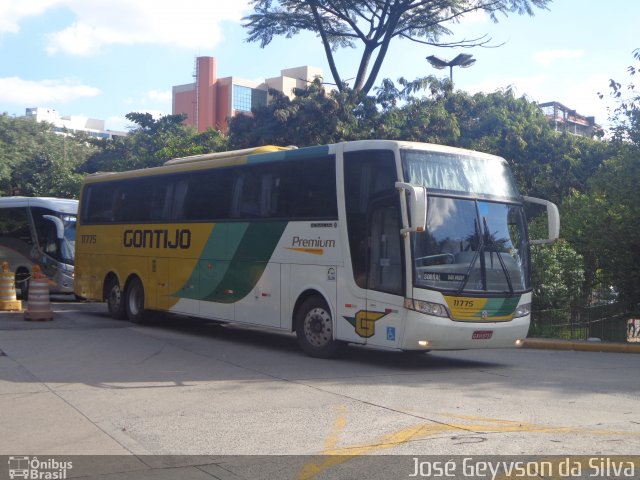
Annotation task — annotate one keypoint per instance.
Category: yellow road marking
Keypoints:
(336, 455)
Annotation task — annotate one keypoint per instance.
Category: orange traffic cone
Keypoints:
(8, 301)
(38, 304)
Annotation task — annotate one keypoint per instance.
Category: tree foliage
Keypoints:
(151, 143)
(626, 115)
(36, 161)
(557, 276)
(602, 223)
(313, 117)
(372, 25)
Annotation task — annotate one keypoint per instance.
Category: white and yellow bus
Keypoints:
(397, 245)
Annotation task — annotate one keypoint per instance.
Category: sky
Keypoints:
(103, 59)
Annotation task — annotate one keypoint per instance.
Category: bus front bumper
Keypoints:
(426, 332)
(62, 282)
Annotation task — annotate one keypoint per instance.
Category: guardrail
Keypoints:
(614, 322)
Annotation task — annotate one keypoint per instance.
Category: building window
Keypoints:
(241, 98)
(245, 99)
(258, 98)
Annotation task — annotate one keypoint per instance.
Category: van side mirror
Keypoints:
(417, 203)
(553, 220)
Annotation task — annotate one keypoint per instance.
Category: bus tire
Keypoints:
(22, 283)
(314, 329)
(134, 301)
(115, 302)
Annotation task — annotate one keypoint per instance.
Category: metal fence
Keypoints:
(608, 322)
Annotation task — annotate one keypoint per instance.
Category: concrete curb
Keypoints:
(580, 345)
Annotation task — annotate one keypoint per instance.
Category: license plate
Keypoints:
(482, 335)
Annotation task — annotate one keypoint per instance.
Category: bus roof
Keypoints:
(229, 154)
(270, 153)
(63, 205)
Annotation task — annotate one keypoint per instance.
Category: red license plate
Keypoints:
(482, 335)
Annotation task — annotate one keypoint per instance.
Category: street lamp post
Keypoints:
(463, 60)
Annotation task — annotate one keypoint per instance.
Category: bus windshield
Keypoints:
(68, 243)
(56, 233)
(471, 245)
(458, 174)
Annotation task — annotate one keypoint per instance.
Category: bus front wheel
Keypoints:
(114, 299)
(134, 301)
(314, 329)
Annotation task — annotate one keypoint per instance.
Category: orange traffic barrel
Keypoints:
(8, 300)
(38, 303)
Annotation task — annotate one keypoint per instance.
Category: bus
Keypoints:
(39, 231)
(389, 244)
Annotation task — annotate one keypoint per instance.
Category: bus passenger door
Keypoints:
(385, 292)
(372, 206)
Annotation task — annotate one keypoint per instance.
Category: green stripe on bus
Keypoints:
(233, 261)
(502, 306)
(215, 260)
(249, 262)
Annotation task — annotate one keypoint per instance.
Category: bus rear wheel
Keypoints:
(115, 305)
(134, 301)
(314, 329)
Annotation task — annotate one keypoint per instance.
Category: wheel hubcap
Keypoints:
(114, 297)
(318, 327)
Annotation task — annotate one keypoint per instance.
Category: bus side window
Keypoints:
(98, 204)
(117, 208)
(14, 224)
(248, 195)
(179, 193)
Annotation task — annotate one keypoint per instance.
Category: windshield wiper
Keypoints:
(492, 244)
(480, 250)
(484, 240)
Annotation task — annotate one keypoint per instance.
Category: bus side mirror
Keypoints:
(58, 223)
(553, 219)
(417, 203)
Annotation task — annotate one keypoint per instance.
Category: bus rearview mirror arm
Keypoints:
(553, 218)
(58, 223)
(417, 203)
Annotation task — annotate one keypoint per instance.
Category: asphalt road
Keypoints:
(85, 384)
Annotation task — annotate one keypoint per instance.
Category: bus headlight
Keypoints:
(523, 310)
(429, 308)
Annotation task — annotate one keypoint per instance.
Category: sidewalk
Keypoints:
(581, 345)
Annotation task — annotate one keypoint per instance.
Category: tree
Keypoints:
(626, 116)
(600, 218)
(152, 143)
(36, 161)
(557, 276)
(313, 117)
(372, 24)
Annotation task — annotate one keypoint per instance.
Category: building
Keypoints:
(210, 101)
(564, 119)
(70, 125)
